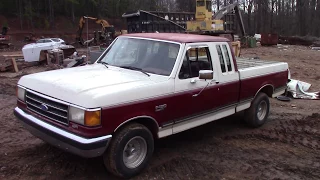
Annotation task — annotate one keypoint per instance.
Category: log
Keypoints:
(14, 64)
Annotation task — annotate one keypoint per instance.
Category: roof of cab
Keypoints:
(178, 37)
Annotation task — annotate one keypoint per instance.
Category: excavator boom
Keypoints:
(227, 9)
(106, 27)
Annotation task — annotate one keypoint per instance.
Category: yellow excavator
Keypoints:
(209, 23)
(106, 35)
(206, 21)
(203, 17)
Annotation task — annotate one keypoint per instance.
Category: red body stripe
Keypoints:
(179, 105)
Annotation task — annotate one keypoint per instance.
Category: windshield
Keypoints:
(209, 6)
(55, 40)
(43, 41)
(200, 3)
(150, 56)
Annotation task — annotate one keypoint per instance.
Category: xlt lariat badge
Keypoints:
(161, 107)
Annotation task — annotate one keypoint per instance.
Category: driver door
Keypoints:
(188, 84)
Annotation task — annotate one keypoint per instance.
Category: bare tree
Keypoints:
(51, 13)
(20, 13)
(272, 13)
(285, 17)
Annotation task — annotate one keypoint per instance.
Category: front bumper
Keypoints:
(62, 139)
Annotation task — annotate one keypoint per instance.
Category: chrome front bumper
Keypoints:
(62, 139)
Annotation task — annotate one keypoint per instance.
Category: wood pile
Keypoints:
(9, 63)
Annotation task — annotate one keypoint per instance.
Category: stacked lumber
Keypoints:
(9, 63)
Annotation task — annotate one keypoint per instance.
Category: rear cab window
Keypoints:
(225, 58)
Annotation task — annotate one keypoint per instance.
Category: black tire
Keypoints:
(113, 158)
(258, 112)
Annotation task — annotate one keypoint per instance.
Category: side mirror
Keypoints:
(206, 74)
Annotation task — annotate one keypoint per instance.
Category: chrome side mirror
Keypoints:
(206, 74)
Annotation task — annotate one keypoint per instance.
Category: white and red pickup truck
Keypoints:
(144, 87)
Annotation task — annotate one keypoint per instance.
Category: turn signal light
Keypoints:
(92, 118)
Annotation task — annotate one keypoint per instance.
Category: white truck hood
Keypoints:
(91, 86)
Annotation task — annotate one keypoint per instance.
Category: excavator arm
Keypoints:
(80, 28)
(104, 24)
(227, 9)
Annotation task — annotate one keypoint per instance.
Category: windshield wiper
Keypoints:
(104, 63)
(136, 69)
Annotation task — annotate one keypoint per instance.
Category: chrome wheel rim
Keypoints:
(262, 110)
(134, 153)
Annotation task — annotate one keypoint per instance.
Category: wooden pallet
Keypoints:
(10, 63)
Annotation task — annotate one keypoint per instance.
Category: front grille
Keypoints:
(47, 108)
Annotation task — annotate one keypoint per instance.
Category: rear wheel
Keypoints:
(130, 150)
(258, 112)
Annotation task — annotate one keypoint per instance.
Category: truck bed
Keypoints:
(244, 63)
(257, 67)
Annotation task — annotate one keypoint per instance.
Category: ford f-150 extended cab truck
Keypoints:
(144, 87)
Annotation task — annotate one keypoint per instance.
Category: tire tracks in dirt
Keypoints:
(287, 149)
(305, 132)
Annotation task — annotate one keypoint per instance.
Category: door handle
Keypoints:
(192, 81)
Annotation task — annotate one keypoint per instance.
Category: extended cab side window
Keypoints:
(196, 59)
(221, 59)
(224, 58)
(227, 57)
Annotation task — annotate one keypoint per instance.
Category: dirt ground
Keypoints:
(286, 147)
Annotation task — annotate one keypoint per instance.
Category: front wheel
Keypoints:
(258, 112)
(129, 151)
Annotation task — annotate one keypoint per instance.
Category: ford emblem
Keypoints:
(44, 107)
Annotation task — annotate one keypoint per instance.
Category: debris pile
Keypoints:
(57, 56)
(297, 40)
(298, 90)
(9, 62)
(282, 47)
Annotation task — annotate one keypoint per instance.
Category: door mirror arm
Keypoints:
(196, 95)
(206, 75)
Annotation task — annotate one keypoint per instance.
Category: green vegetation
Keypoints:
(285, 17)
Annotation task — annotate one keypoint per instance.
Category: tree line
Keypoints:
(285, 17)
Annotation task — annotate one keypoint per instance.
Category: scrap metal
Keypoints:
(298, 90)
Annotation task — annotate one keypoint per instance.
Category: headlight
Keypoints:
(87, 118)
(21, 93)
(76, 115)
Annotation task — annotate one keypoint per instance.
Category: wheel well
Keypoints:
(268, 90)
(149, 122)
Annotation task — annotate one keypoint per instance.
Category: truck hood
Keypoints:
(81, 85)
